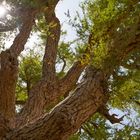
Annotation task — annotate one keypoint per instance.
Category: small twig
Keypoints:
(18, 102)
(112, 118)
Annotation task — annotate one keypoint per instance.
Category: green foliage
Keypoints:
(65, 58)
(95, 128)
(134, 133)
(43, 27)
(104, 20)
(74, 137)
(100, 54)
(65, 52)
(98, 128)
(100, 18)
(29, 74)
(125, 85)
(125, 91)
(30, 69)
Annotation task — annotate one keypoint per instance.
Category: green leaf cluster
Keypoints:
(29, 74)
(104, 21)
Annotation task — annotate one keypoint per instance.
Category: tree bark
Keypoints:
(69, 80)
(44, 94)
(49, 89)
(9, 71)
(52, 40)
(8, 79)
(21, 39)
(67, 117)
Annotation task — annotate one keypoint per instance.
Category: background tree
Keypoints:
(54, 103)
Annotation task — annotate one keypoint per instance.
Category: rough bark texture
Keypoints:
(49, 89)
(21, 39)
(40, 95)
(68, 82)
(67, 117)
(9, 71)
(8, 78)
(44, 94)
(53, 37)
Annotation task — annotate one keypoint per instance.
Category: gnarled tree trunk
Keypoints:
(89, 97)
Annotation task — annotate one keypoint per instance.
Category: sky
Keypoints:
(62, 8)
(64, 5)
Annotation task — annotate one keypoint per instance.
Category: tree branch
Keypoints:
(21, 39)
(40, 96)
(64, 64)
(69, 81)
(7, 28)
(8, 79)
(51, 45)
(40, 99)
(19, 102)
(112, 118)
(9, 70)
(67, 117)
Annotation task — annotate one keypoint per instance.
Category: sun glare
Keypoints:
(2, 11)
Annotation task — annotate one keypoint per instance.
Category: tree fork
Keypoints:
(65, 119)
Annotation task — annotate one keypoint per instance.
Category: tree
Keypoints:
(107, 56)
